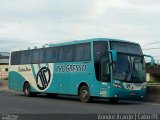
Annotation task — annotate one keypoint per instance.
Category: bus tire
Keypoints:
(84, 94)
(27, 90)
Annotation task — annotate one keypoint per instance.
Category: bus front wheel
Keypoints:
(84, 94)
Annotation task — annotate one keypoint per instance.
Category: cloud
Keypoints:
(8, 44)
(43, 21)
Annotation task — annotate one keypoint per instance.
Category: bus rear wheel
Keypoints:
(84, 94)
(27, 90)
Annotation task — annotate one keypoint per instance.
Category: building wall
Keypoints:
(152, 78)
(4, 71)
(148, 77)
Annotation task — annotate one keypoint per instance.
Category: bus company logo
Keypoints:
(43, 78)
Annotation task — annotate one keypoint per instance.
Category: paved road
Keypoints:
(15, 106)
(17, 103)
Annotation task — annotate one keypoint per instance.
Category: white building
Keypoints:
(4, 64)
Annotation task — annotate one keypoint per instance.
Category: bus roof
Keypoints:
(76, 42)
(89, 40)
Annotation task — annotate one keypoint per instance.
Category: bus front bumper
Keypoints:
(126, 94)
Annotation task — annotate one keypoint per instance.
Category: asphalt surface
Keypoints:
(16, 102)
(15, 106)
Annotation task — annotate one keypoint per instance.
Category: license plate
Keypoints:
(132, 94)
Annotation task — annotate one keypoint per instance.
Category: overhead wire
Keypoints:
(6, 50)
(150, 48)
(151, 43)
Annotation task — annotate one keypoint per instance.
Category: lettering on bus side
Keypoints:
(71, 68)
(25, 69)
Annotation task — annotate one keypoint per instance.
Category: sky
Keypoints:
(25, 23)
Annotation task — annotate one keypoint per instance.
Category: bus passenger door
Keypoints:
(104, 75)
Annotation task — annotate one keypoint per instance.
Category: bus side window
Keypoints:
(35, 57)
(66, 53)
(25, 57)
(41, 55)
(15, 58)
(82, 52)
(51, 55)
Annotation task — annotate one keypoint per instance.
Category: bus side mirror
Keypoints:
(152, 60)
(114, 55)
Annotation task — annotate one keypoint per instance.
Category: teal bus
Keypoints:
(92, 68)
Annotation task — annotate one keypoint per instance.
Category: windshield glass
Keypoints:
(125, 47)
(129, 68)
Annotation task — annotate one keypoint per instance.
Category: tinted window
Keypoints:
(100, 49)
(25, 57)
(41, 55)
(105, 71)
(35, 56)
(83, 52)
(15, 58)
(51, 55)
(66, 53)
(126, 47)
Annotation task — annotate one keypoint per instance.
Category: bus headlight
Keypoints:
(117, 85)
(143, 87)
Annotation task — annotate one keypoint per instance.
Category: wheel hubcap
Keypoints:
(27, 90)
(84, 94)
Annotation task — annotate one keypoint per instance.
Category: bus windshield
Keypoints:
(125, 47)
(129, 68)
